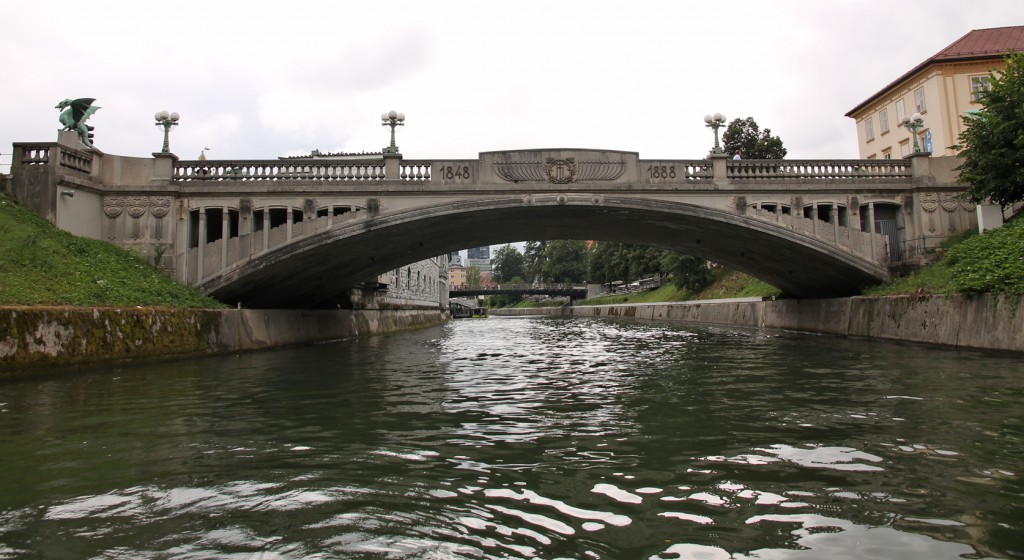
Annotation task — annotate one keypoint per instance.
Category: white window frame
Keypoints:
(978, 85)
(883, 119)
(901, 111)
(919, 105)
(869, 129)
(905, 148)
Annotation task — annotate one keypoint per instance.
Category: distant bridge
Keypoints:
(571, 291)
(301, 233)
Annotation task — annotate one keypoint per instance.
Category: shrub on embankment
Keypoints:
(974, 264)
(43, 265)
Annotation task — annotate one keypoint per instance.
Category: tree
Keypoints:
(687, 272)
(610, 261)
(473, 277)
(745, 137)
(992, 144)
(565, 261)
(507, 264)
(533, 260)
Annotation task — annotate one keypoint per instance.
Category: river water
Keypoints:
(524, 438)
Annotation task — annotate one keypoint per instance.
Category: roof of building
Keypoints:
(976, 45)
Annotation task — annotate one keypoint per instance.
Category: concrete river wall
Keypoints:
(992, 322)
(37, 337)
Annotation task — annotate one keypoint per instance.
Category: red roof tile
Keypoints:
(977, 44)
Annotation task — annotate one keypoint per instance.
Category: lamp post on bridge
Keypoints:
(914, 124)
(714, 122)
(166, 120)
(392, 119)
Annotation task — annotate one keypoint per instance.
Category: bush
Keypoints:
(993, 262)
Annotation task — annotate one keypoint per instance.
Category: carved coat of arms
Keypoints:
(560, 171)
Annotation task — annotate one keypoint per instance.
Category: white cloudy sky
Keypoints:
(261, 79)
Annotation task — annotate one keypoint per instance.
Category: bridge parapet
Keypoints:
(818, 170)
(279, 170)
(866, 245)
(41, 154)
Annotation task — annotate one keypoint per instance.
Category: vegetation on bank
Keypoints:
(972, 264)
(43, 265)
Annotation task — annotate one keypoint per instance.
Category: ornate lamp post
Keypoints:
(715, 122)
(392, 119)
(166, 120)
(913, 124)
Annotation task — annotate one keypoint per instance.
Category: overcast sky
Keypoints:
(258, 79)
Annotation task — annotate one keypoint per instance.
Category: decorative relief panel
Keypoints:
(137, 206)
(113, 205)
(159, 206)
(949, 201)
(929, 202)
(560, 171)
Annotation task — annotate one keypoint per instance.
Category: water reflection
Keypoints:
(523, 438)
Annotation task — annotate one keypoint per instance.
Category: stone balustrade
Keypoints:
(790, 170)
(651, 171)
(278, 170)
(43, 153)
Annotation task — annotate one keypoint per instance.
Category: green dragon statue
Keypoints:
(76, 112)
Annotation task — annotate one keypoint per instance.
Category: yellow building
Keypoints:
(941, 89)
(456, 275)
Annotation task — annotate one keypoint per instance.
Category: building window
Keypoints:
(978, 85)
(919, 105)
(887, 153)
(901, 111)
(869, 129)
(883, 121)
(905, 148)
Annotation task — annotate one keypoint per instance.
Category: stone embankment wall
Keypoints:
(34, 337)
(992, 322)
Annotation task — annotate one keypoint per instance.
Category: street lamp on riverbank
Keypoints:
(714, 122)
(392, 119)
(166, 120)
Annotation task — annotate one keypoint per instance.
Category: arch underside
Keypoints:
(318, 271)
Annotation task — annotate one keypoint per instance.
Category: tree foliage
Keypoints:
(609, 262)
(565, 261)
(473, 277)
(533, 260)
(687, 272)
(747, 138)
(507, 264)
(992, 143)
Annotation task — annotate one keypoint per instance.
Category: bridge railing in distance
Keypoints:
(854, 169)
(256, 170)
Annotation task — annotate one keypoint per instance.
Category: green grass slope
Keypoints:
(42, 265)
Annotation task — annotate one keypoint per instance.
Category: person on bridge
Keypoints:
(737, 156)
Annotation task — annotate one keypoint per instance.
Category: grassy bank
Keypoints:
(42, 265)
(972, 264)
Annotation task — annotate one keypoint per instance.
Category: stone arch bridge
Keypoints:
(302, 232)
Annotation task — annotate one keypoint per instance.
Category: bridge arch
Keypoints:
(319, 269)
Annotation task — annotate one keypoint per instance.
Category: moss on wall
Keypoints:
(48, 337)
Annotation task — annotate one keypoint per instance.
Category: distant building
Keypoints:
(942, 88)
(455, 258)
(479, 257)
(456, 275)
